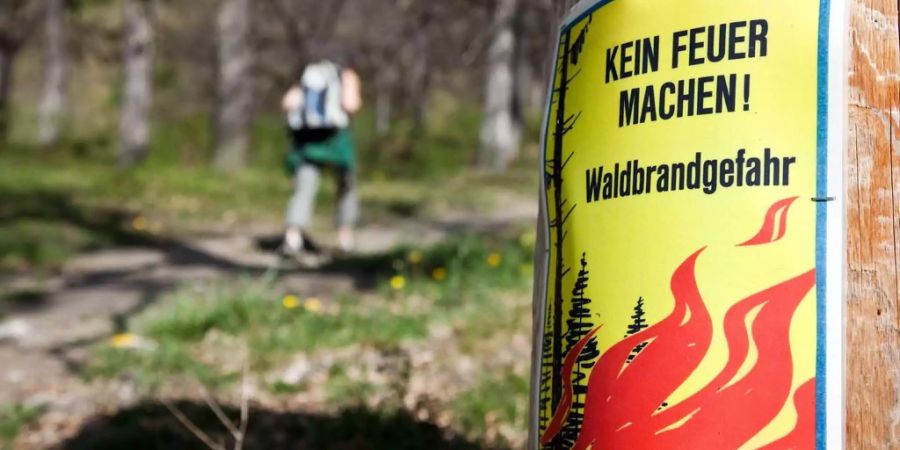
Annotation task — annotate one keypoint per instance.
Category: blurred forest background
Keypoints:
(142, 189)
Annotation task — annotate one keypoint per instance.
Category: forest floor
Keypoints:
(419, 340)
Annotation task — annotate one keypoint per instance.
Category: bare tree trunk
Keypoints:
(7, 56)
(382, 108)
(536, 32)
(529, 89)
(235, 95)
(420, 66)
(18, 18)
(138, 88)
(53, 101)
(382, 112)
(501, 130)
(563, 7)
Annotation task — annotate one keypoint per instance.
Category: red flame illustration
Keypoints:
(625, 405)
(803, 435)
(768, 234)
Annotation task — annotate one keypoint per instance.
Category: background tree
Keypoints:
(134, 129)
(639, 323)
(235, 86)
(18, 19)
(417, 60)
(501, 128)
(56, 61)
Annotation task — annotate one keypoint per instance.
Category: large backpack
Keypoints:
(320, 107)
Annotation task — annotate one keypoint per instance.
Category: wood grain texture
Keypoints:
(563, 7)
(873, 201)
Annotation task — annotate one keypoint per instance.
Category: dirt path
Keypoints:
(51, 323)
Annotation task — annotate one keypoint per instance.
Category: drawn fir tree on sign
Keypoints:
(579, 324)
(638, 324)
(560, 209)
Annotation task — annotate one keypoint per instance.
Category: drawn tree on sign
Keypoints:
(639, 322)
(569, 56)
(579, 325)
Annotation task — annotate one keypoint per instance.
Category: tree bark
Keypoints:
(420, 67)
(385, 87)
(383, 110)
(18, 18)
(53, 99)
(235, 96)
(873, 227)
(529, 88)
(7, 57)
(563, 7)
(138, 89)
(501, 128)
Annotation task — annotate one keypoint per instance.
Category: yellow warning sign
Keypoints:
(686, 201)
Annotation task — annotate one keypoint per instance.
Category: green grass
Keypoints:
(167, 363)
(477, 285)
(347, 391)
(495, 399)
(272, 331)
(476, 269)
(27, 243)
(54, 207)
(13, 419)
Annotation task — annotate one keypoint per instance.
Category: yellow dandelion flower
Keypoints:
(139, 223)
(290, 302)
(494, 259)
(414, 257)
(398, 282)
(123, 340)
(439, 274)
(312, 305)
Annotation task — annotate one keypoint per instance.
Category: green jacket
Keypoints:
(337, 149)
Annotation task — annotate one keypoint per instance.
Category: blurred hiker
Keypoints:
(318, 112)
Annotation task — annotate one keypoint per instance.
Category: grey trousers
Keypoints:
(306, 187)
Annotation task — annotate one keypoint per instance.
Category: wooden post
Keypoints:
(873, 225)
(563, 7)
(873, 210)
